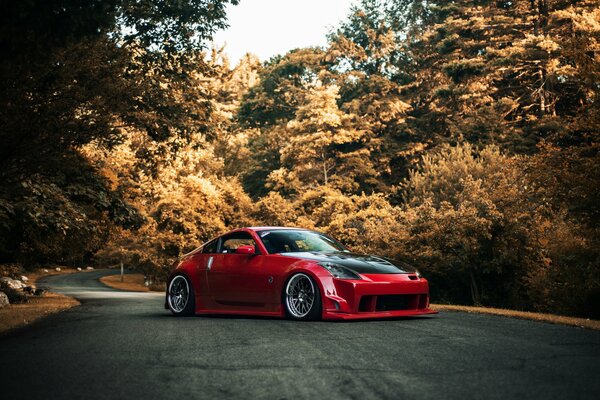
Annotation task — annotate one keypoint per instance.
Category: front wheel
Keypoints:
(301, 298)
(180, 296)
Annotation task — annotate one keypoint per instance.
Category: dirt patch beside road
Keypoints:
(18, 315)
(131, 282)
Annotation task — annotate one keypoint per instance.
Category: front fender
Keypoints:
(322, 278)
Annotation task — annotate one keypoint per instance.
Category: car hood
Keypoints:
(360, 263)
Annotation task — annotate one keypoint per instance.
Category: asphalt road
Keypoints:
(120, 345)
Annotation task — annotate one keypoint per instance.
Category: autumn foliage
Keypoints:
(460, 136)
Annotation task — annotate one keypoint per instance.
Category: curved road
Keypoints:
(120, 345)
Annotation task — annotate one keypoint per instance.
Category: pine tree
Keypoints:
(326, 147)
(504, 72)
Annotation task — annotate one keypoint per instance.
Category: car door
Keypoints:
(234, 279)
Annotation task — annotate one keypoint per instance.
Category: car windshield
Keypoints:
(293, 241)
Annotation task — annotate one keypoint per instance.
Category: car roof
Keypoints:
(263, 228)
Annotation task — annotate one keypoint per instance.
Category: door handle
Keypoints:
(209, 263)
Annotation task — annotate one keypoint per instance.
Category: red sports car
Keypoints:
(298, 273)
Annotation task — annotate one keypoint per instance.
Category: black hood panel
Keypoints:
(360, 263)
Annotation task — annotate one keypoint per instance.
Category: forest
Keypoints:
(462, 136)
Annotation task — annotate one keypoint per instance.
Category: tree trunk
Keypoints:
(540, 8)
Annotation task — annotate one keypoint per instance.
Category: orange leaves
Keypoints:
(325, 146)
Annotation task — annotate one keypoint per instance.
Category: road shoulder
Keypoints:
(540, 317)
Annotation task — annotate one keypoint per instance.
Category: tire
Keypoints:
(302, 298)
(180, 296)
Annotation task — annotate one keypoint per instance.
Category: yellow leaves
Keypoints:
(344, 47)
(284, 180)
(531, 117)
(274, 210)
(245, 75)
(329, 118)
(469, 181)
(344, 136)
(547, 44)
(561, 69)
(320, 109)
(478, 87)
(381, 44)
(314, 152)
(388, 109)
(413, 148)
(587, 22)
(543, 42)
(359, 221)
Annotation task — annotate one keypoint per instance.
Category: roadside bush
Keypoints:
(14, 296)
(470, 227)
(568, 281)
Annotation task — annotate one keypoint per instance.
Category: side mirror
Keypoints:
(246, 249)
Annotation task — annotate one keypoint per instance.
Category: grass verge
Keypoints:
(551, 318)
(131, 282)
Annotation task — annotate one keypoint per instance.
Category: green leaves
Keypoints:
(170, 26)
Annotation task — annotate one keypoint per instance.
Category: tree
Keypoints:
(181, 185)
(326, 147)
(266, 108)
(280, 89)
(369, 61)
(504, 72)
(76, 72)
(180, 190)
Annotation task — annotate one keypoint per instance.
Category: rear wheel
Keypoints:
(301, 298)
(180, 296)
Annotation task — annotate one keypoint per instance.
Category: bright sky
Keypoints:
(270, 27)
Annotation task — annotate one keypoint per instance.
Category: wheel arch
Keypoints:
(313, 271)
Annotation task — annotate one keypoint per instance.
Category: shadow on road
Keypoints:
(167, 315)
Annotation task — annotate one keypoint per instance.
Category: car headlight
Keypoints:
(339, 271)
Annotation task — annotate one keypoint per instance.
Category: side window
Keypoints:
(233, 241)
(211, 247)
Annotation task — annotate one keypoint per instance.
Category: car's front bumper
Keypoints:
(376, 296)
